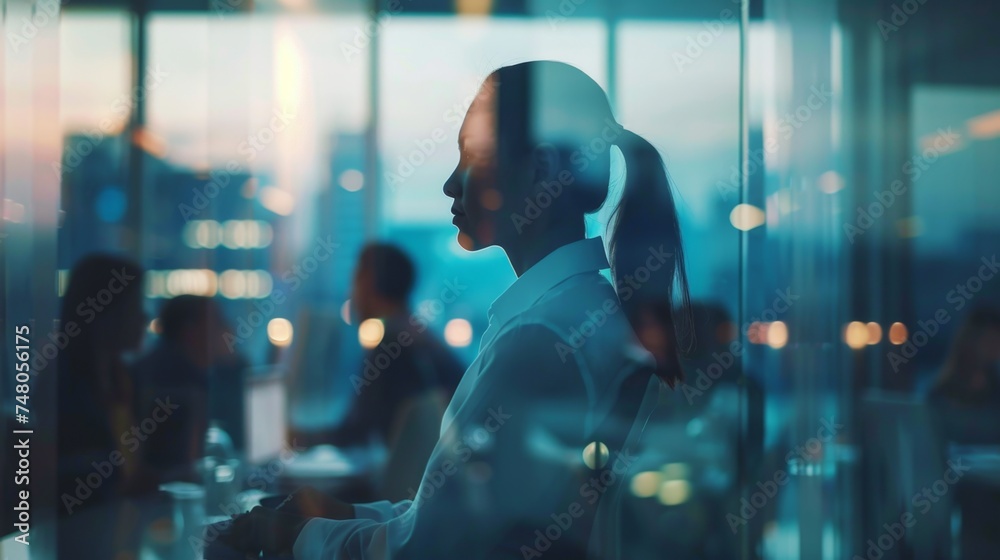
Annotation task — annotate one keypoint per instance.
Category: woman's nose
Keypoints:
(451, 187)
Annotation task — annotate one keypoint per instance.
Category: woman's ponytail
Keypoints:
(647, 257)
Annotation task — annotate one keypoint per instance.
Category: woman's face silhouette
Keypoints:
(481, 186)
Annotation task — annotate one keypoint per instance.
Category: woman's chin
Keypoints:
(466, 241)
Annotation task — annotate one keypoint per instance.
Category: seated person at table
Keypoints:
(971, 376)
(409, 363)
(178, 368)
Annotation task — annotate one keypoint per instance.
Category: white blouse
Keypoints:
(516, 465)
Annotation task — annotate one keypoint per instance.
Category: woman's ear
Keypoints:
(547, 163)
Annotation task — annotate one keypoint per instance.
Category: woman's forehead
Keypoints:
(479, 123)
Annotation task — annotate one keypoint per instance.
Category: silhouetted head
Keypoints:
(103, 305)
(194, 325)
(974, 358)
(383, 281)
(535, 157)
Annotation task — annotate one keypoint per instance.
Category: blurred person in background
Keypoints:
(545, 423)
(103, 300)
(178, 371)
(407, 378)
(971, 374)
(102, 317)
(408, 362)
(966, 402)
(401, 388)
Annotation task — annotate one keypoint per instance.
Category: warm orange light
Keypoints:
(745, 217)
(370, 333)
(777, 334)
(278, 201)
(646, 484)
(491, 199)
(279, 331)
(473, 7)
(466, 242)
(985, 126)
(897, 333)
(458, 333)
(674, 492)
(856, 335)
(874, 332)
(150, 142)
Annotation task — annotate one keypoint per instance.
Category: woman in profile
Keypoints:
(102, 318)
(537, 444)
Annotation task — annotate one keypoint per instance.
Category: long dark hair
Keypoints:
(99, 328)
(553, 103)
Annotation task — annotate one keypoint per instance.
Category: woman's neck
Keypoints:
(528, 251)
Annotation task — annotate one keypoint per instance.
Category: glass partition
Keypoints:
(833, 162)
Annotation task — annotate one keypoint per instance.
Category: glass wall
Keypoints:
(834, 164)
(866, 126)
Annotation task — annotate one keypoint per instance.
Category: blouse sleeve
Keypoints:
(383, 510)
(487, 474)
